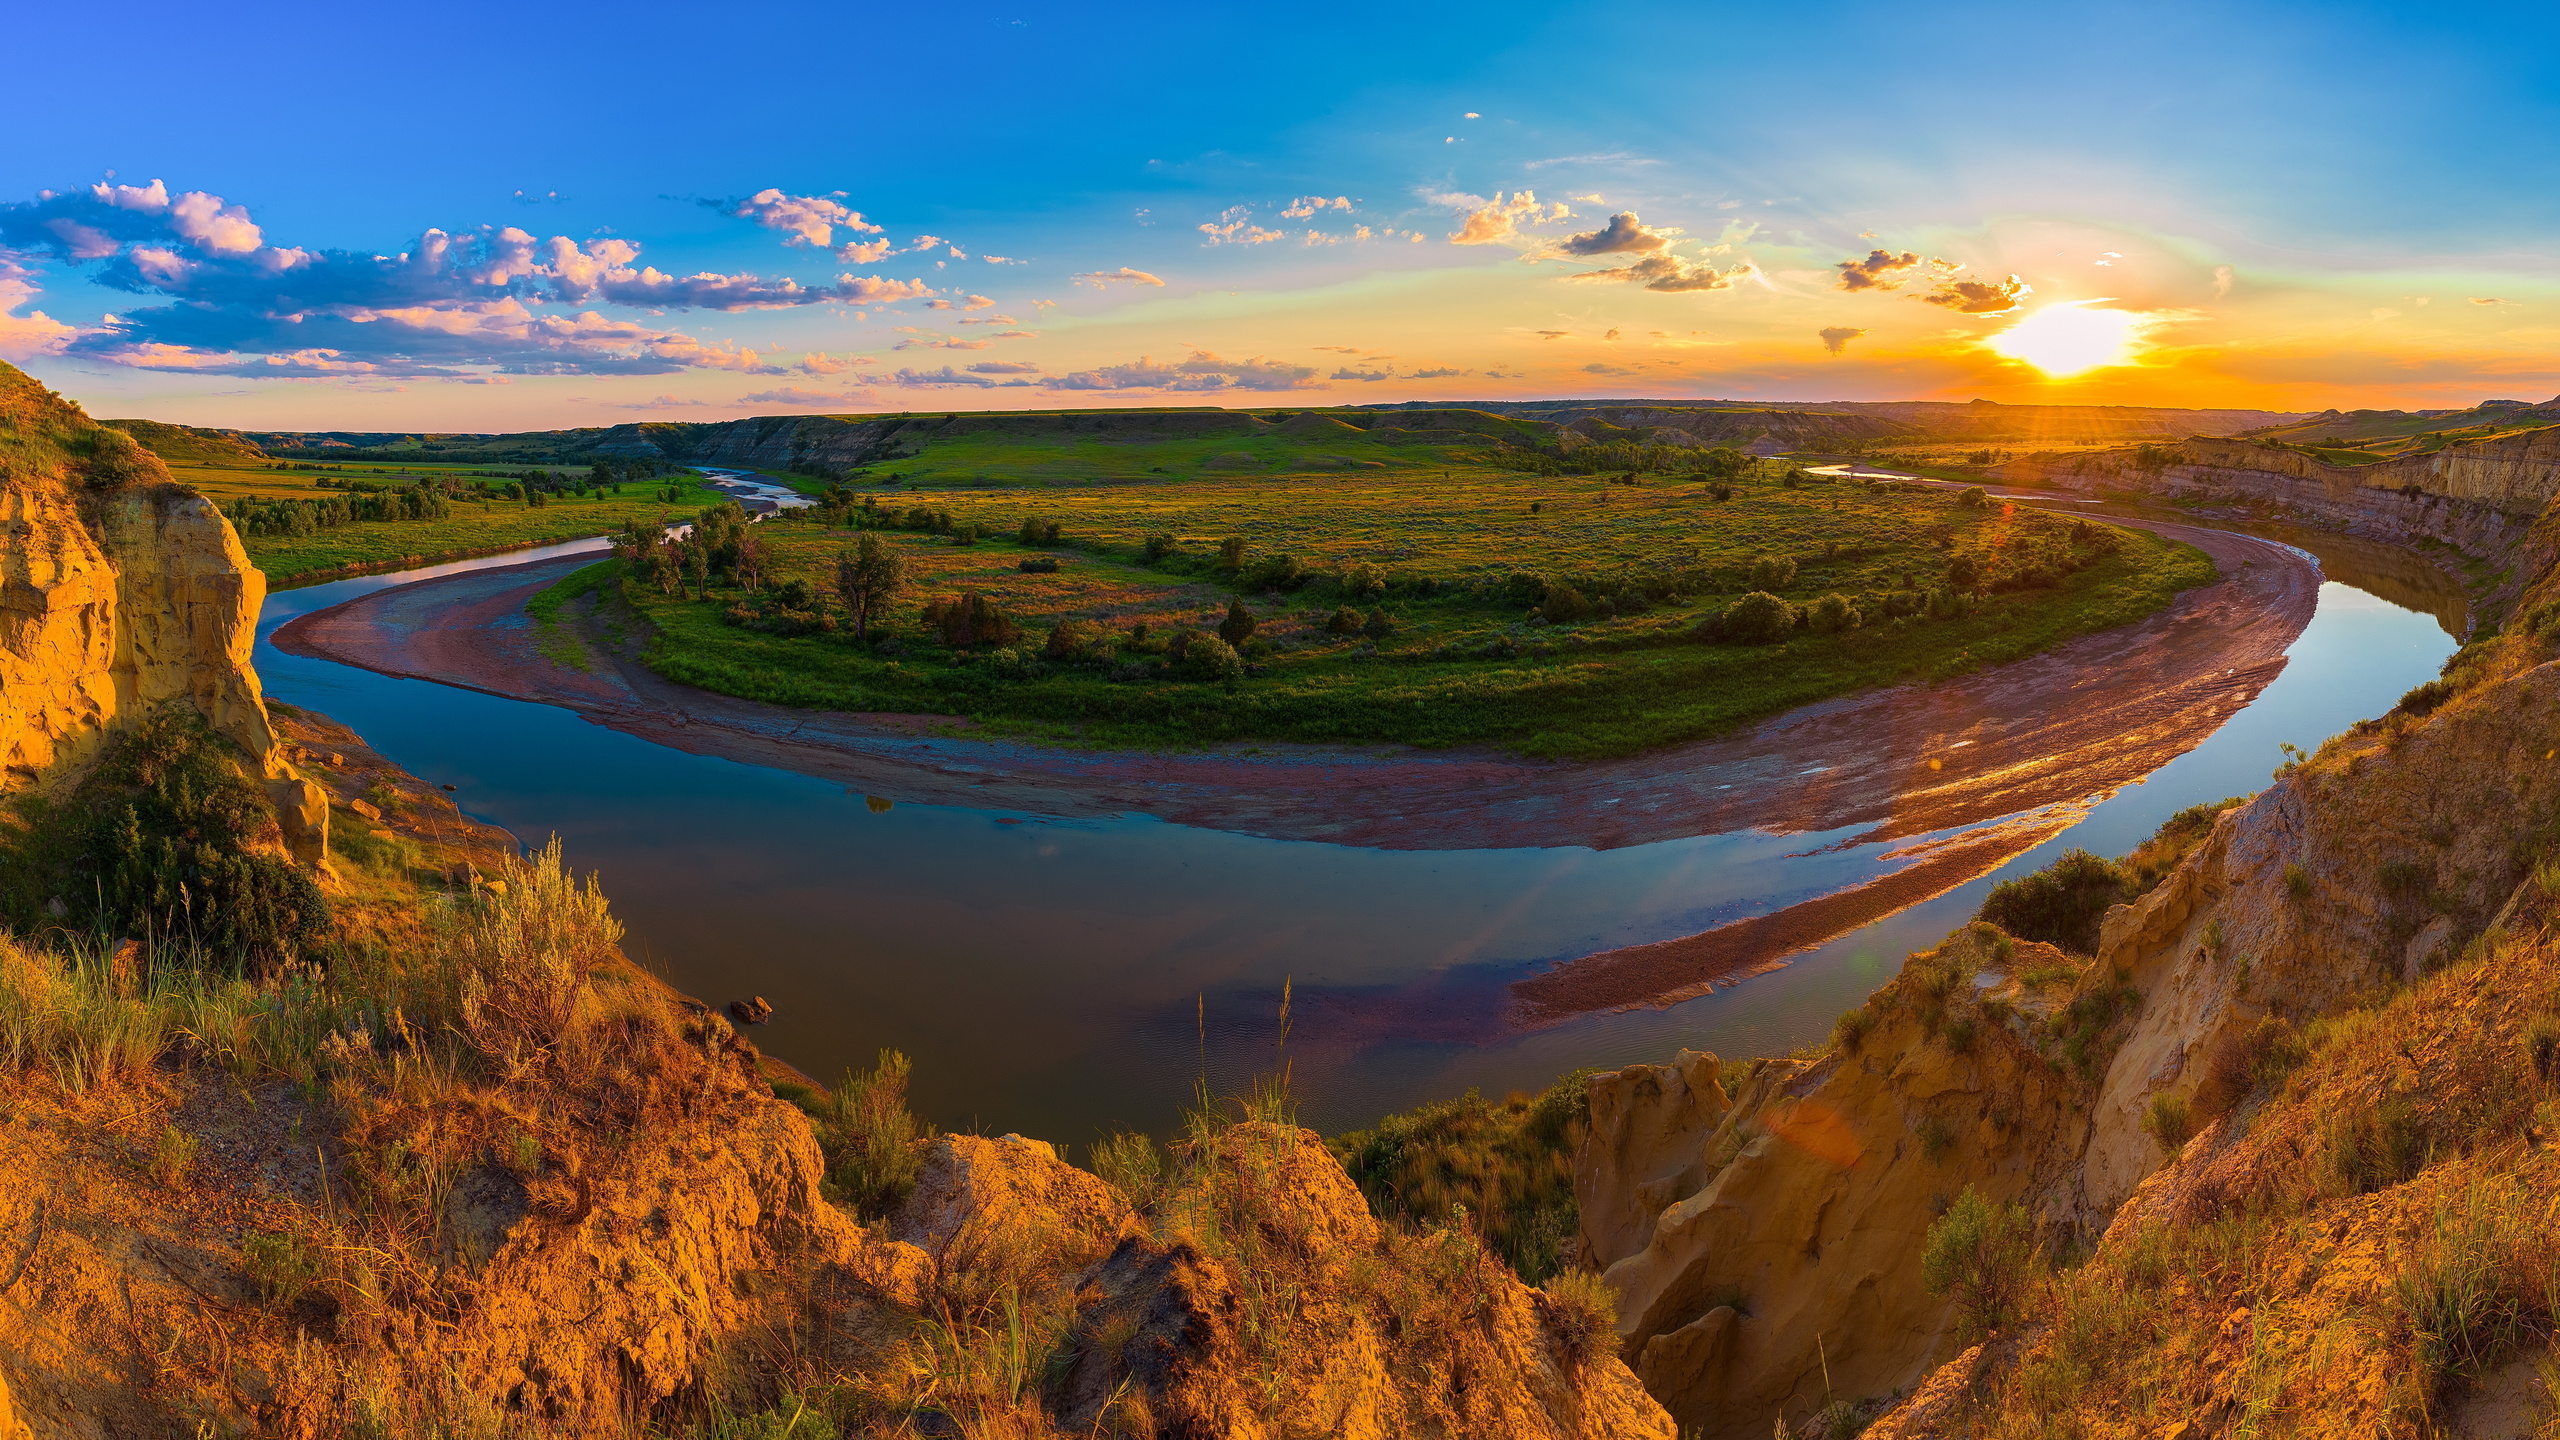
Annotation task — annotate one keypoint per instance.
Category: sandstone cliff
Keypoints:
(1780, 1270)
(120, 592)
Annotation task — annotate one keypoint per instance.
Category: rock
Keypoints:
(751, 1012)
(1012, 1191)
(1645, 1151)
(483, 1210)
(302, 809)
(367, 809)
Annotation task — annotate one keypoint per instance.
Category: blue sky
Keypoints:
(2284, 206)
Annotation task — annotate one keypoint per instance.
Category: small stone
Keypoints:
(753, 1011)
(367, 809)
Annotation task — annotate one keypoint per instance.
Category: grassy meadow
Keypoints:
(1050, 450)
(470, 526)
(1558, 616)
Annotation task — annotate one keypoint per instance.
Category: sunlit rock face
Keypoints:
(120, 592)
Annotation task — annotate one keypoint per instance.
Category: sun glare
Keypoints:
(2068, 338)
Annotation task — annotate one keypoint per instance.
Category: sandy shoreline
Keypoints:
(2060, 729)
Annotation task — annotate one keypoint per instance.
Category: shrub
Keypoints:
(1206, 657)
(1378, 626)
(2425, 698)
(1772, 572)
(1758, 618)
(1585, 1312)
(1973, 497)
(1158, 545)
(1345, 621)
(1037, 565)
(2297, 882)
(1231, 553)
(1981, 1255)
(868, 1136)
(1564, 604)
(1239, 625)
(2169, 1122)
(2372, 1144)
(173, 1156)
(1361, 580)
(971, 619)
(1720, 490)
(2542, 1048)
(281, 1268)
(1039, 532)
(1832, 614)
(2062, 904)
(1274, 572)
(1130, 1165)
(1934, 1137)
(169, 836)
(1067, 641)
(1850, 1030)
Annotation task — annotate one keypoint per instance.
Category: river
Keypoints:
(1066, 978)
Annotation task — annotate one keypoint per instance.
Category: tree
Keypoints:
(1378, 626)
(1758, 618)
(1239, 625)
(867, 574)
(1231, 553)
(1981, 1254)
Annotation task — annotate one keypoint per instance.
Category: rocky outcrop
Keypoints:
(121, 592)
(1791, 1275)
(2480, 498)
(1012, 1185)
(2357, 871)
(1646, 1150)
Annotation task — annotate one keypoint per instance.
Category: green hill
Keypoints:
(190, 444)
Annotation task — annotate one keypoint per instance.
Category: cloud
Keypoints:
(947, 378)
(2222, 276)
(1623, 235)
(1005, 367)
(663, 402)
(24, 337)
(811, 220)
(450, 302)
(1442, 373)
(1014, 335)
(1491, 222)
(1671, 274)
(1235, 226)
(2486, 300)
(818, 362)
(1981, 297)
(547, 197)
(992, 320)
(1598, 368)
(1002, 260)
(1881, 270)
(1836, 339)
(1104, 279)
(796, 396)
(1201, 371)
(1383, 372)
(1306, 205)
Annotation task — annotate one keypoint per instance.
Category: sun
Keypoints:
(2069, 338)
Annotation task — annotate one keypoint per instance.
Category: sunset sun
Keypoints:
(2070, 338)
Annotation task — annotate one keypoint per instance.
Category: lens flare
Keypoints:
(2069, 338)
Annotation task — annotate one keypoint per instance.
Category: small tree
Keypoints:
(1239, 625)
(868, 573)
(1159, 545)
(1067, 641)
(1758, 618)
(1832, 614)
(1982, 1255)
(1231, 553)
(1344, 622)
(1206, 657)
(1378, 626)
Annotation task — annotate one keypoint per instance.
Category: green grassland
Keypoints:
(469, 526)
(1449, 577)
(1050, 449)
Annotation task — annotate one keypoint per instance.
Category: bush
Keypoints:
(868, 1136)
(1274, 572)
(1378, 626)
(2169, 1122)
(1345, 621)
(1037, 532)
(2062, 904)
(1158, 545)
(169, 837)
(1586, 1315)
(2373, 1144)
(1772, 572)
(971, 619)
(282, 1268)
(2424, 699)
(1832, 614)
(1981, 1255)
(1564, 604)
(1239, 625)
(1359, 581)
(1037, 565)
(1231, 553)
(1973, 497)
(1206, 657)
(1758, 618)
(1067, 641)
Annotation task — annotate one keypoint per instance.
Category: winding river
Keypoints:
(1064, 977)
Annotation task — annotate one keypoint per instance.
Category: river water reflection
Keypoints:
(1063, 978)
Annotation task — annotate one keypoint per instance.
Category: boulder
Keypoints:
(1009, 1187)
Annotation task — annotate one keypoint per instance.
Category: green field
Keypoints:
(469, 527)
(1554, 615)
(977, 450)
